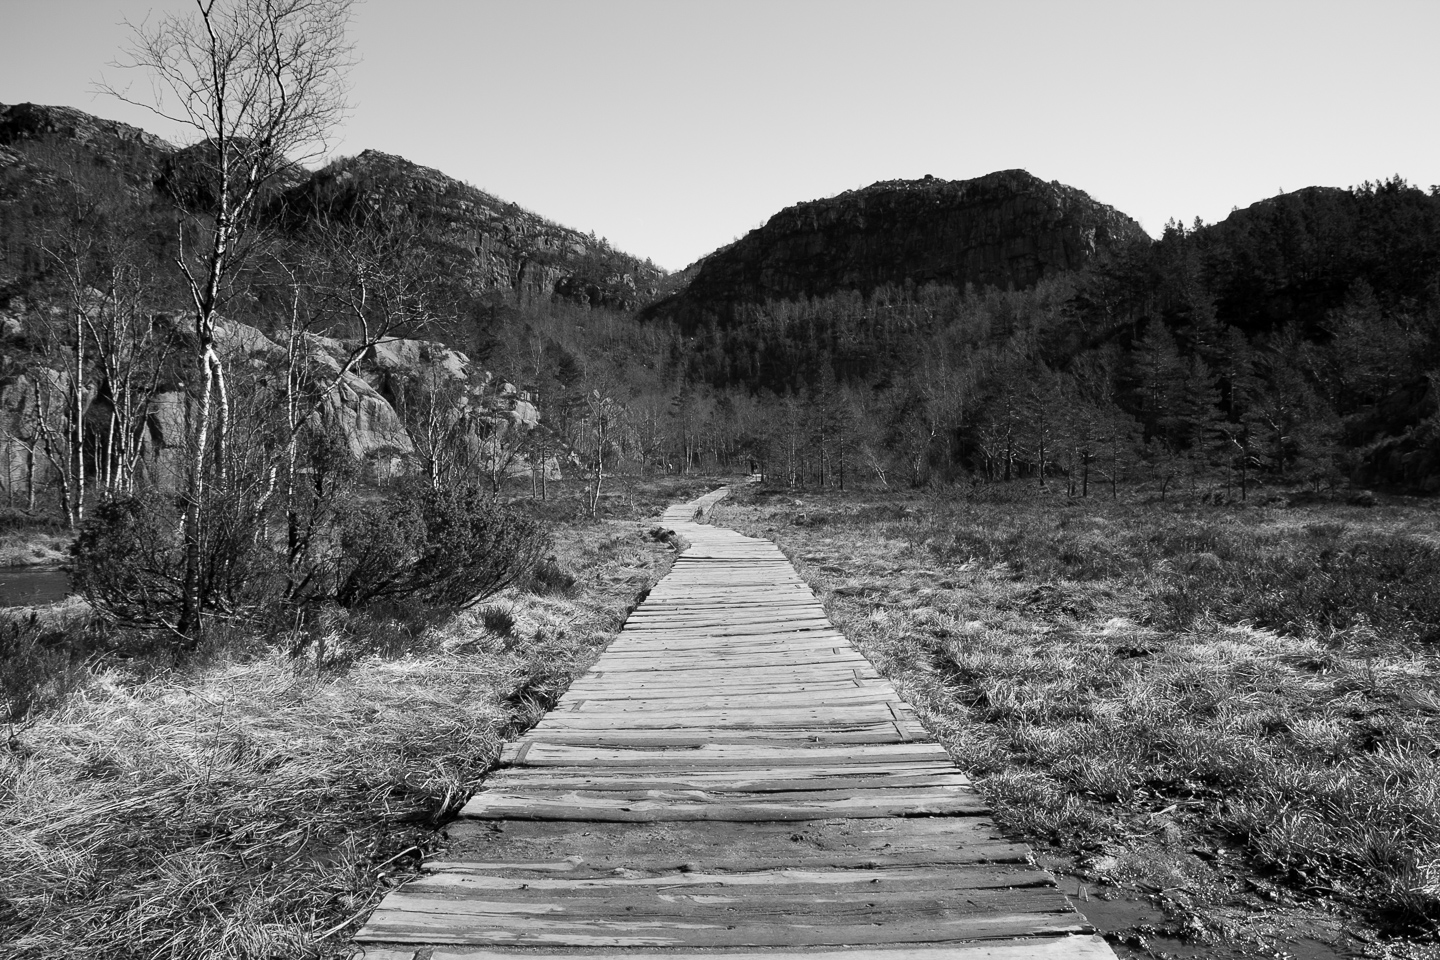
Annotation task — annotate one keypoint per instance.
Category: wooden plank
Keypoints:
(725, 807)
(835, 693)
(616, 706)
(869, 881)
(756, 662)
(594, 690)
(758, 922)
(651, 609)
(699, 845)
(516, 781)
(748, 652)
(724, 755)
(874, 712)
(1071, 947)
(691, 739)
(730, 651)
(767, 629)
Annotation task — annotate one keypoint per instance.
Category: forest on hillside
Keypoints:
(1296, 342)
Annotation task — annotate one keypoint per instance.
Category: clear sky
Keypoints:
(673, 126)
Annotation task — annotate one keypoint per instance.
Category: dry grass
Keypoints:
(1226, 709)
(259, 809)
(32, 548)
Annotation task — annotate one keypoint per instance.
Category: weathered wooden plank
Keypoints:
(526, 780)
(835, 843)
(767, 629)
(870, 881)
(719, 678)
(656, 807)
(809, 645)
(790, 924)
(645, 618)
(655, 705)
(724, 649)
(834, 692)
(653, 609)
(759, 662)
(687, 739)
(541, 754)
(1070, 947)
(654, 688)
(672, 717)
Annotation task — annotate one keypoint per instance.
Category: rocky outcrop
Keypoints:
(1008, 229)
(362, 405)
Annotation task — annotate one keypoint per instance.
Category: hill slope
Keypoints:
(1008, 230)
(483, 241)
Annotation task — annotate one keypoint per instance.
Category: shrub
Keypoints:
(130, 562)
(43, 662)
(447, 549)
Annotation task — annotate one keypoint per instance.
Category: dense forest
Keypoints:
(1294, 342)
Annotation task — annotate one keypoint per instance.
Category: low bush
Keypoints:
(129, 563)
(442, 549)
(412, 557)
(44, 661)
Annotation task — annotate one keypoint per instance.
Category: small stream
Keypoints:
(27, 586)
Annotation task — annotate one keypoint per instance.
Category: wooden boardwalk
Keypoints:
(731, 778)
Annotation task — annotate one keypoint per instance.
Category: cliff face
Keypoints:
(479, 241)
(1007, 229)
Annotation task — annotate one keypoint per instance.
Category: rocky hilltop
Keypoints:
(482, 242)
(495, 244)
(1007, 229)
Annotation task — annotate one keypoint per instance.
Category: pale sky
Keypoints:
(673, 126)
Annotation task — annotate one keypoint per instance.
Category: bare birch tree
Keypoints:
(259, 83)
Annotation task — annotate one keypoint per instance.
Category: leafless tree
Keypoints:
(259, 83)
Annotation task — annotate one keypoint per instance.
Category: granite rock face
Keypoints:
(362, 407)
(1007, 230)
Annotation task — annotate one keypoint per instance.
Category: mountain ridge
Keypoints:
(496, 244)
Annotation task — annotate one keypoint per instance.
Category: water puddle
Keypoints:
(1139, 930)
(31, 586)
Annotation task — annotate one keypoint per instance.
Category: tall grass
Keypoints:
(258, 807)
(1131, 677)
